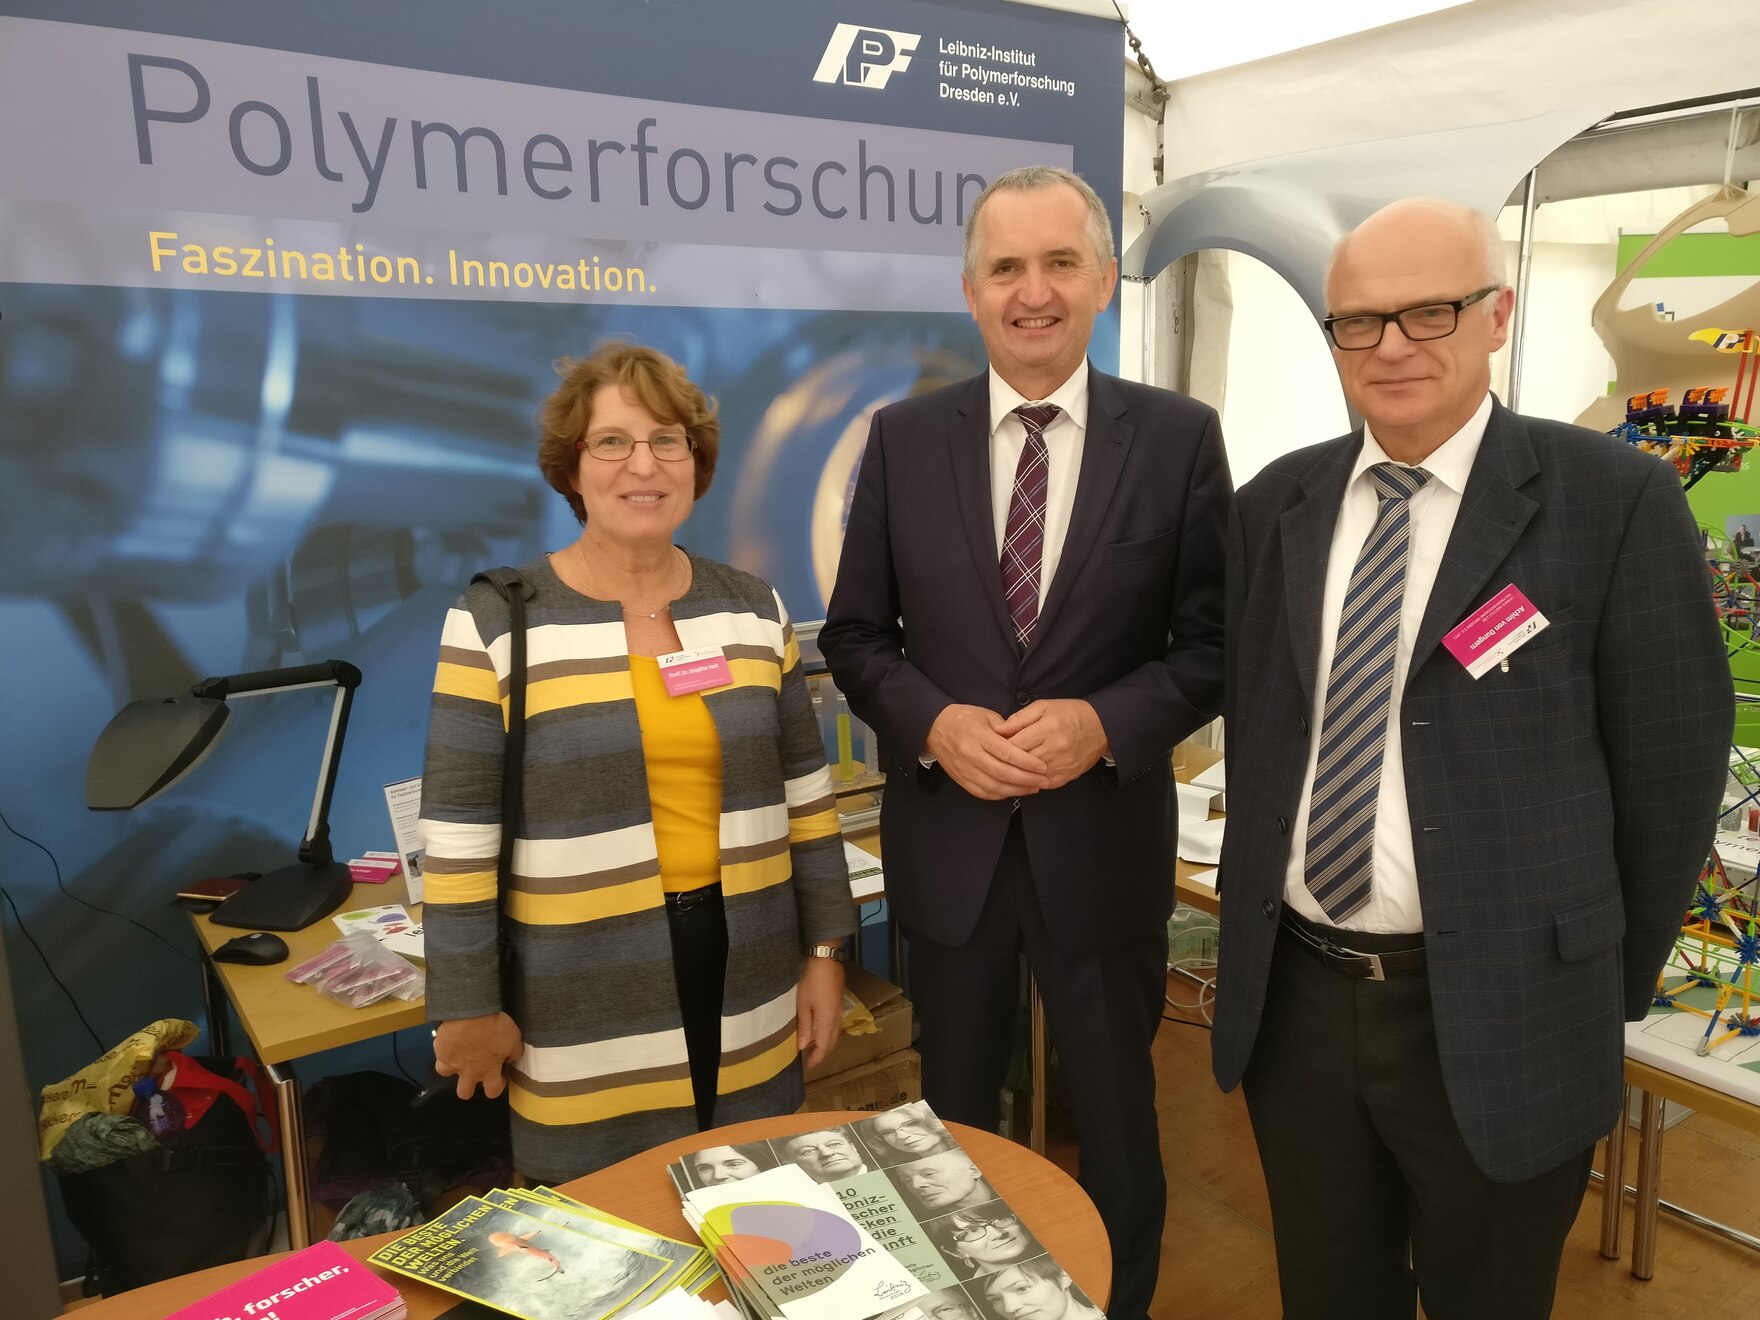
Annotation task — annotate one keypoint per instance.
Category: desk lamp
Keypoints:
(150, 745)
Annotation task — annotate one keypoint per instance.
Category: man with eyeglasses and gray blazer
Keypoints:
(1478, 716)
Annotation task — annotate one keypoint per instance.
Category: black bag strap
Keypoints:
(516, 591)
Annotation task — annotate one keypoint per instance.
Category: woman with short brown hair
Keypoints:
(679, 896)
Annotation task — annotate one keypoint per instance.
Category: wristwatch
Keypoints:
(831, 951)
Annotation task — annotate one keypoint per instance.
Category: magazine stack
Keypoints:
(323, 1282)
(536, 1254)
(907, 1186)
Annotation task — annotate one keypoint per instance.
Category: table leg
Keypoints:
(1613, 1180)
(293, 1153)
(215, 1008)
(1041, 1051)
(1747, 1240)
(1649, 1185)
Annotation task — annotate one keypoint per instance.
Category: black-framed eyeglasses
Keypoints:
(614, 447)
(1435, 320)
(972, 1232)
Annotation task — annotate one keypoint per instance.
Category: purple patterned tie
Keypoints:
(1023, 541)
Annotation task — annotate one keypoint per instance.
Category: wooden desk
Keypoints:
(287, 1022)
(1202, 897)
(867, 838)
(1047, 1200)
(1655, 1085)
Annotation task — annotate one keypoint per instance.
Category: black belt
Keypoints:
(1318, 942)
(693, 898)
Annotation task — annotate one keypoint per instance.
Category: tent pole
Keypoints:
(1151, 333)
(1523, 265)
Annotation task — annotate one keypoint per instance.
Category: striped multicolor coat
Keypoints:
(605, 1071)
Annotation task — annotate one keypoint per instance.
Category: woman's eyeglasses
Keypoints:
(613, 446)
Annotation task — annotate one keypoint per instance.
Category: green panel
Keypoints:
(1747, 731)
(1720, 496)
(1694, 254)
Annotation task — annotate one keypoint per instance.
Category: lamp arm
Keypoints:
(314, 850)
(322, 674)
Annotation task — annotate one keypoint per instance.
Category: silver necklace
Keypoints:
(664, 608)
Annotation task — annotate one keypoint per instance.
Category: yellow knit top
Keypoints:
(683, 753)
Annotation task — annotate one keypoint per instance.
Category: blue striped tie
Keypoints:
(1353, 734)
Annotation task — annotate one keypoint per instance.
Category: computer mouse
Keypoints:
(258, 948)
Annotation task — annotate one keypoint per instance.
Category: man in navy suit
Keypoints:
(1028, 611)
(1460, 839)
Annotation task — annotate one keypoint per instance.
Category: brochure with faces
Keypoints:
(789, 1245)
(906, 1182)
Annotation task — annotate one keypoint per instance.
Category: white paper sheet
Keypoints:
(1194, 801)
(1200, 841)
(404, 800)
(867, 881)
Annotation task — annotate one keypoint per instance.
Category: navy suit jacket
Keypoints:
(1132, 622)
(1560, 812)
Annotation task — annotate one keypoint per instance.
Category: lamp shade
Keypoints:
(148, 746)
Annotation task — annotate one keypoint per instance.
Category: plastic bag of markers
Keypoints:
(357, 970)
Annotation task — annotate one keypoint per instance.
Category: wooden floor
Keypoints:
(1217, 1261)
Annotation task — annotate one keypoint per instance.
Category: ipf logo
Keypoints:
(865, 57)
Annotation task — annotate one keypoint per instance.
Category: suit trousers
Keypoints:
(1102, 1010)
(1376, 1201)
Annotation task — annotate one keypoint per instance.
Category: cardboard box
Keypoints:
(892, 1018)
(882, 1084)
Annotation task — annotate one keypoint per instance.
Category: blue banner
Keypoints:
(280, 291)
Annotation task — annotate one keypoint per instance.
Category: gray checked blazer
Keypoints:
(1560, 811)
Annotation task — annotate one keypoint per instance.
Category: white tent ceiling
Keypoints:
(1184, 39)
(1493, 61)
(1277, 158)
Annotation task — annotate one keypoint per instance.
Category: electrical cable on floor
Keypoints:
(397, 1058)
(23, 930)
(1189, 968)
(1186, 1022)
(120, 916)
(1206, 999)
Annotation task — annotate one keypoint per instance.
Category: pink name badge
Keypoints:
(1493, 632)
(685, 672)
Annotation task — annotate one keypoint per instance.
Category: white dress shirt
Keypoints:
(1393, 905)
(1063, 452)
(1063, 448)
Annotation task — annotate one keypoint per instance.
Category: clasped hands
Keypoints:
(1042, 745)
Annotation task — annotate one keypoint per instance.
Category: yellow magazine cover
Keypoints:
(522, 1265)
